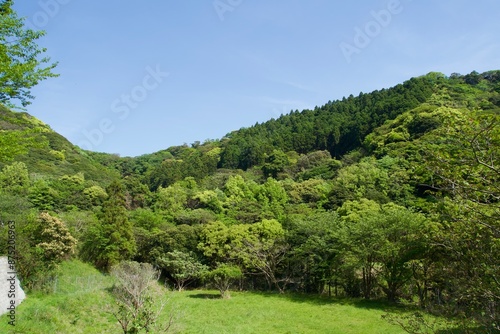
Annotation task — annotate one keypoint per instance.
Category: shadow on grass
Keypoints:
(395, 309)
(206, 296)
(325, 300)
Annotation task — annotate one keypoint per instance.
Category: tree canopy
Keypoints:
(22, 61)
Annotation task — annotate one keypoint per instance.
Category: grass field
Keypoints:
(80, 301)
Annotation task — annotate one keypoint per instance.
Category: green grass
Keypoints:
(248, 312)
(80, 299)
(75, 305)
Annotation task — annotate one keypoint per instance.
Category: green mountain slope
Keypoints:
(26, 139)
(338, 127)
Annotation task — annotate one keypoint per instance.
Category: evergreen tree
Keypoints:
(112, 240)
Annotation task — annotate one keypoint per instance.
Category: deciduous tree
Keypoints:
(22, 62)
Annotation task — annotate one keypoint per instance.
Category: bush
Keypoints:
(223, 276)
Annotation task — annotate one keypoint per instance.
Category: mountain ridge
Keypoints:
(338, 126)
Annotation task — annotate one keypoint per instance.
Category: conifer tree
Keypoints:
(112, 240)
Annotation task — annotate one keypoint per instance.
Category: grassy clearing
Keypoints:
(81, 298)
(245, 312)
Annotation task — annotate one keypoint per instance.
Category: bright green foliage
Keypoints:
(146, 219)
(273, 197)
(467, 165)
(21, 67)
(171, 199)
(43, 196)
(14, 178)
(182, 267)
(215, 242)
(241, 204)
(313, 191)
(112, 240)
(222, 278)
(257, 247)
(16, 143)
(362, 180)
(381, 241)
(211, 199)
(237, 189)
(23, 138)
(95, 195)
(263, 250)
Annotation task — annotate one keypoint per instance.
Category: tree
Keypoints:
(43, 196)
(313, 250)
(467, 167)
(404, 240)
(383, 240)
(95, 195)
(257, 247)
(362, 180)
(54, 239)
(359, 241)
(273, 197)
(262, 247)
(182, 267)
(112, 240)
(171, 199)
(223, 276)
(275, 163)
(15, 178)
(21, 67)
(43, 243)
(137, 311)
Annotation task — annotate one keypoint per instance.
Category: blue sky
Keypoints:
(140, 76)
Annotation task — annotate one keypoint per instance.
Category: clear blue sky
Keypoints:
(140, 76)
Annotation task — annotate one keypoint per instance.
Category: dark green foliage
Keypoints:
(337, 127)
(152, 245)
(275, 163)
(112, 240)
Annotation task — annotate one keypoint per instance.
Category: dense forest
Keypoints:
(392, 194)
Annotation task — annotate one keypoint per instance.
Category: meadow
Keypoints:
(80, 303)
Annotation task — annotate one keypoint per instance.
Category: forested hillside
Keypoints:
(45, 152)
(390, 195)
